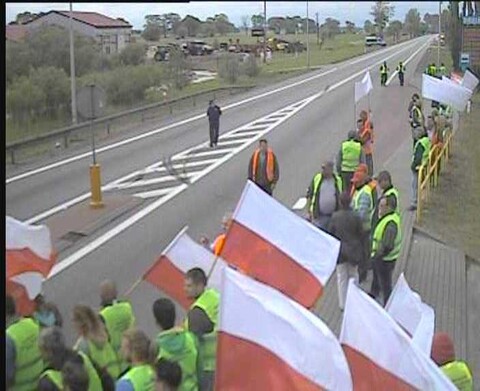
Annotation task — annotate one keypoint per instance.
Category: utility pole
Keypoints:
(308, 42)
(318, 29)
(72, 71)
(264, 31)
(439, 31)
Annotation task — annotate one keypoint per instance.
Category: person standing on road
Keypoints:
(202, 320)
(365, 136)
(176, 344)
(346, 226)
(323, 196)
(443, 353)
(117, 315)
(417, 119)
(386, 246)
(23, 360)
(401, 72)
(263, 168)
(348, 159)
(214, 112)
(420, 157)
(383, 74)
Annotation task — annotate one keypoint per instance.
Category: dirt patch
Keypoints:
(453, 210)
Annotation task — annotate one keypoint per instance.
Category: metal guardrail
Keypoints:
(107, 122)
(429, 172)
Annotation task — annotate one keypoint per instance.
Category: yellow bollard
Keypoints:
(95, 186)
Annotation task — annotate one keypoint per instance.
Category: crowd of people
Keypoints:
(345, 199)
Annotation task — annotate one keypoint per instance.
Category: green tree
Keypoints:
(24, 99)
(151, 32)
(350, 26)
(55, 86)
(133, 54)
(192, 25)
(177, 68)
(368, 27)
(257, 20)
(394, 29)
(382, 11)
(229, 67)
(330, 28)
(412, 22)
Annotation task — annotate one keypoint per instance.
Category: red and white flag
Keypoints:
(181, 255)
(380, 354)
(275, 246)
(267, 341)
(410, 312)
(29, 258)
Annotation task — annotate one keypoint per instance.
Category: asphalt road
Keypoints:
(301, 143)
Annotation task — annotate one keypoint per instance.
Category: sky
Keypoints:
(356, 12)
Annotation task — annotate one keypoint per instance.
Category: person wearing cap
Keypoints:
(386, 189)
(214, 112)
(323, 195)
(365, 135)
(348, 158)
(417, 119)
(363, 203)
(443, 353)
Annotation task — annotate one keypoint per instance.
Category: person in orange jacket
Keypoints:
(365, 135)
(217, 245)
(263, 169)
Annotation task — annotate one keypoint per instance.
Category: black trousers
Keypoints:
(400, 76)
(347, 180)
(382, 278)
(383, 79)
(214, 126)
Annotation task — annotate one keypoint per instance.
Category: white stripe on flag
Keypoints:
(444, 92)
(19, 235)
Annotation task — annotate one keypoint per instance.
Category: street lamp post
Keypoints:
(72, 71)
(264, 31)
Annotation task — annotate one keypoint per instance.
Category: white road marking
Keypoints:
(154, 193)
(181, 166)
(201, 154)
(148, 182)
(98, 242)
(194, 118)
(405, 63)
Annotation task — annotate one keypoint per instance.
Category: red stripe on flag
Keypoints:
(165, 276)
(245, 365)
(261, 259)
(367, 375)
(24, 306)
(25, 260)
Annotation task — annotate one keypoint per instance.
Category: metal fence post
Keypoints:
(419, 192)
(108, 127)
(65, 139)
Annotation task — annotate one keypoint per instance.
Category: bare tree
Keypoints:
(382, 11)
(245, 23)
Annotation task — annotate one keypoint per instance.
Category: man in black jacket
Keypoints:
(214, 114)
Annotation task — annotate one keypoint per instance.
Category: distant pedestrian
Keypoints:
(383, 74)
(176, 344)
(443, 353)
(94, 342)
(214, 112)
(47, 313)
(217, 245)
(348, 158)
(169, 375)
(138, 350)
(401, 72)
(202, 320)
(346, 226)
(323, 195)
(386, 246)
(263, 168)
(420, 157)
(117, 315)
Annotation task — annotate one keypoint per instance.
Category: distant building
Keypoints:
(111, 34)
(15, 32)
(471, 40)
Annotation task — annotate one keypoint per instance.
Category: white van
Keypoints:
(374, 41)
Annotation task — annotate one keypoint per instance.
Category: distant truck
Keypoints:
(374, 41)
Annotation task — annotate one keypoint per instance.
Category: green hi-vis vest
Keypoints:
(401, 68)
(443, 71)
(356, 200)
(378, 235)
(317, 179)
(447, 112)
(118, 318)
(460, 375)
(94, 382)
(142, 378)
(425, 142)
(394, 192)
(105, 357)
(55, 377)
(187, 357)
(209, 302)
(383, 69)
(28, 361)
(351, 152)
